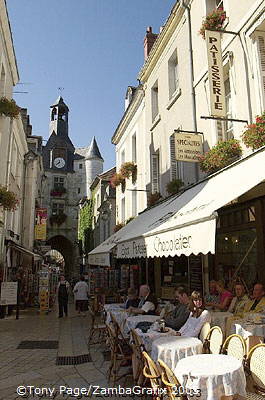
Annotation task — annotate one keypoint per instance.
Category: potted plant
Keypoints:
(220, 155)
(58, 219)
(116, 180)
(213, 21)
(129, 169)
(254, 136)
(8, 199)
(118, 227)
(153, 198)
(58, 191)
(174, 186)
(9, 108)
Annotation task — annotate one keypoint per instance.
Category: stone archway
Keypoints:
(66, 248)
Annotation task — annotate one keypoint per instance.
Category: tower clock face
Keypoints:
(59, 162)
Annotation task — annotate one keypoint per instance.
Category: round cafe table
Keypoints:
(151, 335)
(212, 376)
(119, 314)
(246, 329)
(113, 306)
(171, 349)
(132, 321)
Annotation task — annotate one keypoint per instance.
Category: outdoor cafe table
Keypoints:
(113, 306)
(151, 335)
(171, 349)
(120, 315)
(132, 321)
(213, 376)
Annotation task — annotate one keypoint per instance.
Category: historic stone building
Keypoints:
(69, 173)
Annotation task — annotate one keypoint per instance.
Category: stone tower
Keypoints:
(94, 163)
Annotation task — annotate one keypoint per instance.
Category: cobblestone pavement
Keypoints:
(37, 367)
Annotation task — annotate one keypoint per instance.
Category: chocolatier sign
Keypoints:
(216, 74)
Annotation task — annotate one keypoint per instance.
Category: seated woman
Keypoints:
(197, 318)
(224, 299)
(132, 298)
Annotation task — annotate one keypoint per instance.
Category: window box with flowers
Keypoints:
(129, 169)
(116, 180)
(9, 108)
(174, 186)
(153, 198)
(221, 155)
(8, 199)
(118, 227)
(213, 21)
(254, 136)
(58, 219)
(58, 191)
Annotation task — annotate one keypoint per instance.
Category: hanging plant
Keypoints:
(58, 191)
(9, 108)
(8, 199)
(58, 219)
(118, 227)
(174, 186)
(213, 21)
(153, 198)
(220, 156)
(254, 136)
(116, 180)
(129, 169)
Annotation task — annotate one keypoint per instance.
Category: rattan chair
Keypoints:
(235, 346)
(170, 382)
(152, 373)
(98, 330)
(213, 341)
(256, 372)
(204, 331)
(120, 352)
(137, 357)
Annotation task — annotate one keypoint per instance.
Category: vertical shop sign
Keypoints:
(216, 73)
(41, 224)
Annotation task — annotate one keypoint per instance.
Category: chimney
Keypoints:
(149, 40)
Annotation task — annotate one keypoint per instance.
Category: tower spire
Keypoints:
(93, 151)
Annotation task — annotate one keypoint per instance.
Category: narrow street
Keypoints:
(36, 367)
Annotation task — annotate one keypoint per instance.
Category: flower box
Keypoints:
(8, 199)
(254, 136)
(213, 21)
(153, 198)
(174, 186)
(57, 192)
(9, 108)
(220, 156)
(129, 169)
(118, 227)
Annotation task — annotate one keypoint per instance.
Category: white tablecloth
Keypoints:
(113, 306)
(211, 375)
(119, 314)
(246, 329)
(171, 349)
(131, 322)
(219, 318)
(152, 335)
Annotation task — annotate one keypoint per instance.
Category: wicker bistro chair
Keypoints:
(256, 372)
(120, 352)
(235, 346)
(170, 382)
(213, 341)
(152, 373)
(117, 328)
(137, 357)
(204, 331)
(98, 330)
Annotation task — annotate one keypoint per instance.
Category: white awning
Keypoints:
(186, 223)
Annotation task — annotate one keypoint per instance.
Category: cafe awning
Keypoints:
(185, 223)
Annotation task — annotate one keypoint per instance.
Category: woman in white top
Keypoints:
(81, 295)
(197, 318)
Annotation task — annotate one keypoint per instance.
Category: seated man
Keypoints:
(148, 302)
(132, 298)
(239, 301)
(180, 314)
(213, 296)
(257, 304)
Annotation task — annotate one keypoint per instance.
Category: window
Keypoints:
(155, 172)
(260, 42)
(80, 166)
(19, 170)
(176, 167)
(78, 190)
(14, 158)
(122, 157)
(134, 203)
(173, 77)
(225, 128)
(57, 208)
(219, 4)
(134, 157)
(214, 4)
(154, 100)
(123, 209)
(2, 82)
(58, 182)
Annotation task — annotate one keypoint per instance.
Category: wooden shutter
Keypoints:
(261, 52)
(173, 162)
(155, 173)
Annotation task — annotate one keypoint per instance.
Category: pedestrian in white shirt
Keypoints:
(81, 296)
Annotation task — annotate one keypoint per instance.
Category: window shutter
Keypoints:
(173, 162)
(155, 173)
(261, 51)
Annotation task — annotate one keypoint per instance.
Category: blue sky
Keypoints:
(91, 48)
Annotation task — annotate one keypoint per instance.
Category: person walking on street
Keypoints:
(62, 293)
(81, 296)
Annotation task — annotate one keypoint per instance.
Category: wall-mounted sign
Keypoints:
(8, 293)
(41, 224)
(188, 147)
(216, 73)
